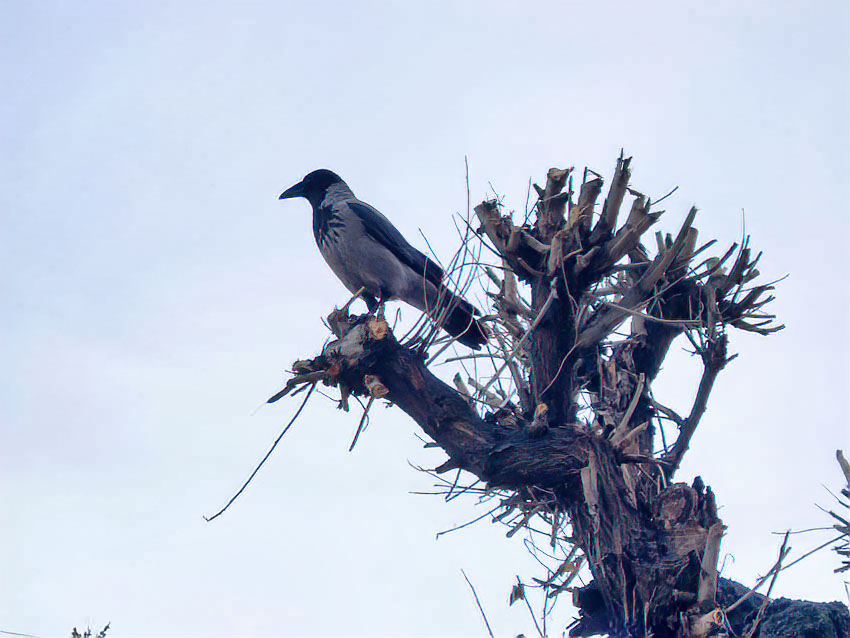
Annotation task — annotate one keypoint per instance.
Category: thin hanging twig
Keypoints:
(783, 552)
(265, 458)
(362, 422)
(478, 602)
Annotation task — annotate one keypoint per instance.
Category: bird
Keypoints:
(370, 256)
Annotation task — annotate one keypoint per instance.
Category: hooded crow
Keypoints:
(366, 251)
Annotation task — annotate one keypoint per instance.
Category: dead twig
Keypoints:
(783, 552)
(478, 602)
(520, 588)
(362, 423)
(265, 458)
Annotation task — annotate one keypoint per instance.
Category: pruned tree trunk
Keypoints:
(574, 442)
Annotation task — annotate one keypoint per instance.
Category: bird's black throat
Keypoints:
(326, 225)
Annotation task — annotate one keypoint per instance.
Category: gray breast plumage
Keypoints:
(356, 257)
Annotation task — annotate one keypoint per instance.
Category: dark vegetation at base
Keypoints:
(783, 617)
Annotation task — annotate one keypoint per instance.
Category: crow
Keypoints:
(367, 252)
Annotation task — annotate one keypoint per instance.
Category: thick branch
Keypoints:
(502, 451)
(714, 360)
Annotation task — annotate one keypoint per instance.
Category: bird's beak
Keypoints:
(293, 191)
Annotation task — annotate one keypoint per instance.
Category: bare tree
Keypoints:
(557, 422)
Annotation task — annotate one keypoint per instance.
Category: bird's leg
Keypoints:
(371, 303)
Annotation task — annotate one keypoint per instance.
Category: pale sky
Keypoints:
(154, 289)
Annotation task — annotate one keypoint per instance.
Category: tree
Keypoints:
(88, 633)
(564, 433)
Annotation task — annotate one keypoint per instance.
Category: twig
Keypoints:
(642, 315)
(362, 421)
(845, 466)
(530, 610)
(668, 412)
(805, 531)
(454, 485)
(622, 429)
(553, 294)
(308, 377)
(478, 602)
(776, 566)
(352, 299)
(468, 523)
(490, 398)
(525, 518)
(265, 458)
(673, 190)
(521, 388)
(812, 551)
(782, 553)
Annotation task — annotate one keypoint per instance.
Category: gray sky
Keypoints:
(154, 289)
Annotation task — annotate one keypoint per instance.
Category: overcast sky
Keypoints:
(154, 289)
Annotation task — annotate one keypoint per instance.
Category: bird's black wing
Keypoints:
(382, 231)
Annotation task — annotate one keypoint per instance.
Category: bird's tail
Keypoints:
(457, 317)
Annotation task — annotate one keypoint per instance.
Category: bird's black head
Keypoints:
(313, 187)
